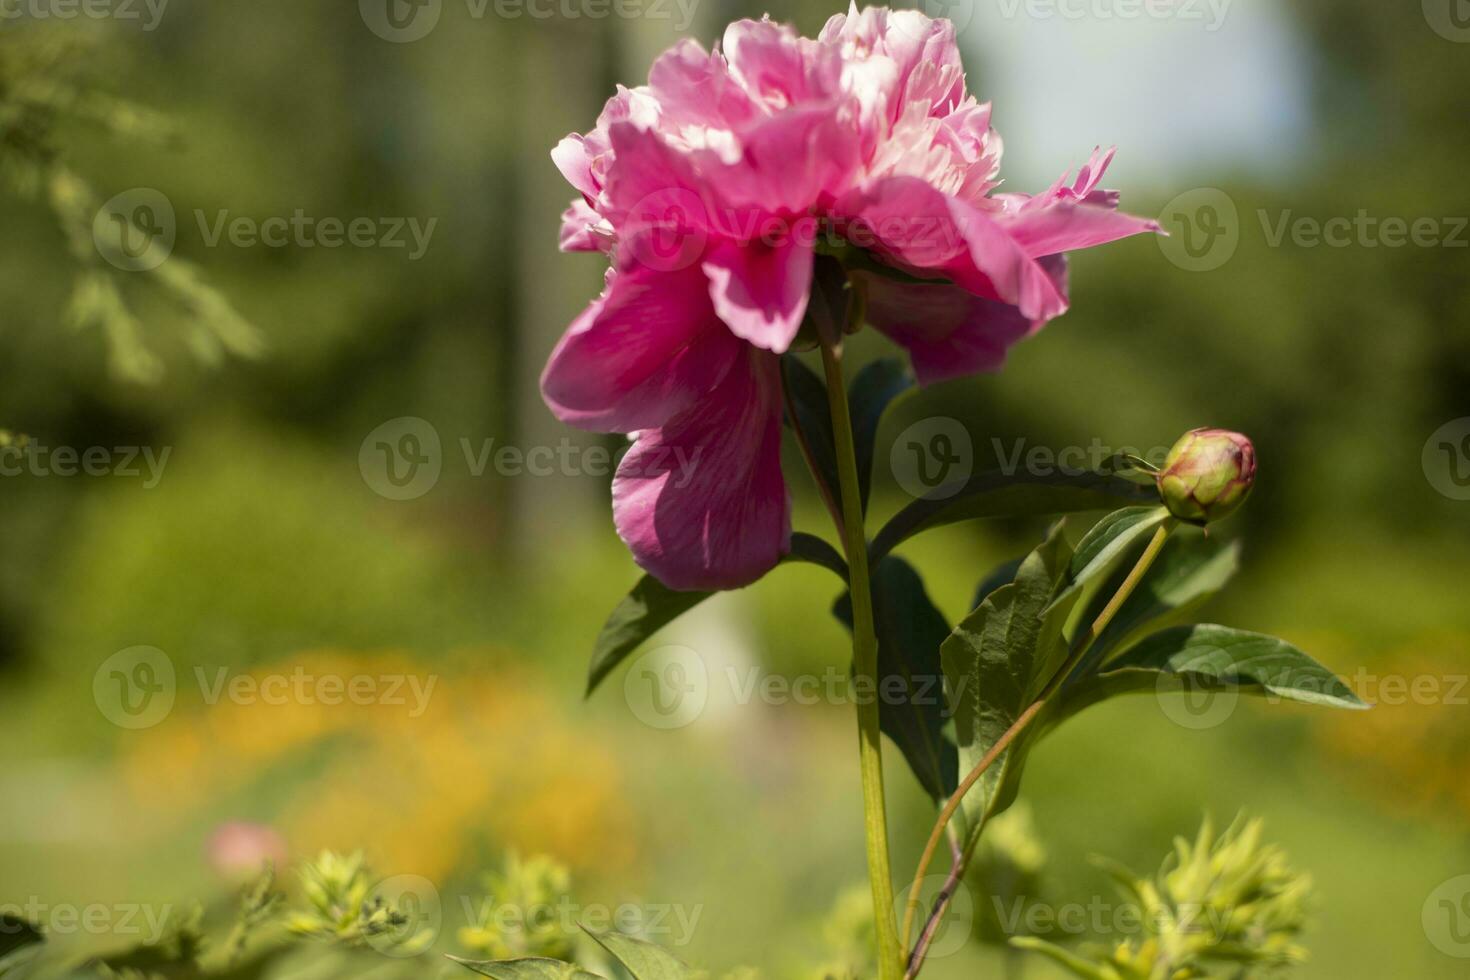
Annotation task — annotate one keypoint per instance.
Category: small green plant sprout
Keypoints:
(341, 909)
(518, 916)
(1227, 906)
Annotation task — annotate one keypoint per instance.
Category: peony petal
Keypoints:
(934, 235)
(947, 331)
(701, 501)
(760, 289)
(583, 230)
(1068, 225)
(649, 347)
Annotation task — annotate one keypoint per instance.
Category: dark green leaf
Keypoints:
(1210, 657)
(652, 605)
(1009, 495)
(810, 548)
(644, 960)
(1002, 574)
(911, 706)
(643, 612)
(807, 401)
(527, 968)
(872, 390)
(1103, 547)
(19, 941)
(997, 662)
(869, 394)
(1190, 569)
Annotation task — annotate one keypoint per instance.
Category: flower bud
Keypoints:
(1207, 475)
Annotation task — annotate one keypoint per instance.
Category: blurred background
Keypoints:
(237, 520)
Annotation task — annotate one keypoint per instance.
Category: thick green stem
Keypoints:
(865, 667)
(1079, 647)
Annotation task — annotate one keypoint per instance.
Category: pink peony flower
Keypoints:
(710, 188)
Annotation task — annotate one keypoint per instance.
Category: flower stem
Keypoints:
(865, 666)
(1079, 647)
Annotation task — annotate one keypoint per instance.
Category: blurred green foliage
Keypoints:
(264, 539)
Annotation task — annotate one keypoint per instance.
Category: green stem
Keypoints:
(1079, 647)
(865, 666)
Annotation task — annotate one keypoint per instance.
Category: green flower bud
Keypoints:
(1207, 474)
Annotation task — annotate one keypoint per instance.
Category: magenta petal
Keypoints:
(932, 234)
(701, 501)
(1067, 225)
(760, 290)
(649, 347)
(947, 331)
(583, 230)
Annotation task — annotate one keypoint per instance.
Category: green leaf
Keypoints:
(652, 605)
(644, 960)
(997, 662)
(643, 612)
(1103, 547)
(527, 968)
(807, 401)
(1002, 574)
(810, 548)
(19, 941)
(1211, 657)
(911, 705)
(1189, 571)
(1009, 495)
(873, 389)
